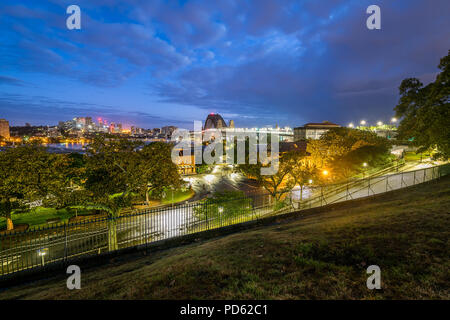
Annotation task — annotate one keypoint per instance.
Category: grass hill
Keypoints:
(318, 256)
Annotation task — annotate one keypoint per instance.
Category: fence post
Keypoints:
(206, 215)
(65, 241)
(346, 195)
(321, 195)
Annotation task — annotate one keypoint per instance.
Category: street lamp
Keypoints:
(379, 123)
(42, 252)
(351, 125)
(363, 122)
(325, 172)
(364, 171)
(310, 181)
(394, 120)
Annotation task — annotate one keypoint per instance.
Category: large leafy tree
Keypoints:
(344, 149)
(121, 167)
(425, 111)
(303, 171)
(118, 170)
(157, 170)
(29, 173)
(280, 182)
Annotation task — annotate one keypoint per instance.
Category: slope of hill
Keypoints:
(320, 256)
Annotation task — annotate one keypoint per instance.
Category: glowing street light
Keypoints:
(363, 122)
(325, 172)
(379, 123)
(350, 125)
(365, 164)
(394, 120)
(310, 181)
(42, 252)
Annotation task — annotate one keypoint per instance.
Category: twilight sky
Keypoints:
(260, 62)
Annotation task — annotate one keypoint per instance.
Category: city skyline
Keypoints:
(170, 63)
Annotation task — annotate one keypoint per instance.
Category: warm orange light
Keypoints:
(325, 172)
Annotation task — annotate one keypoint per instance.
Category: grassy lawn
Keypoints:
(39, 217)
(412, 156)
(178, 196)
(321, 256)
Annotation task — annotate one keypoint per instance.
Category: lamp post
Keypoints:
(364, 170)
(42, 252)
(326, 174)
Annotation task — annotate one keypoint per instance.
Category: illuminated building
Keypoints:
(4, 129)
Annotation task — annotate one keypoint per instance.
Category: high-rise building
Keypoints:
(4, 128)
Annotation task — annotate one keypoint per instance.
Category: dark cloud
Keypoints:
(11, 81)
(258, 60)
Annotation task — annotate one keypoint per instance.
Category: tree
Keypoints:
(118, 170)
(282, 181)
(425, 111)
(274, 184)
(157, 171)
(302, 172)
(351, 163)
(344, 149)
(27, 173)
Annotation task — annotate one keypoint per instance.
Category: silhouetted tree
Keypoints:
(425, 111)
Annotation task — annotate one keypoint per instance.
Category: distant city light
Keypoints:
(363, 122)
(394, 120)
(379, 123)
(350, 125)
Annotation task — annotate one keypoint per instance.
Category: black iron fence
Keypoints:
(62, 242)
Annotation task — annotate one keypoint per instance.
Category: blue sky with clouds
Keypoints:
(260, 62)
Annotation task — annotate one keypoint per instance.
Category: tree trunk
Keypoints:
(112, 233)
(9, 222)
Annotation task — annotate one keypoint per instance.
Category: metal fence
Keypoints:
(61, 242)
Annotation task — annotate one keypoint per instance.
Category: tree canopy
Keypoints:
(425, 111)
(29, 173)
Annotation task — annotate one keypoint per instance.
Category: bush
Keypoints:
(224, 205)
